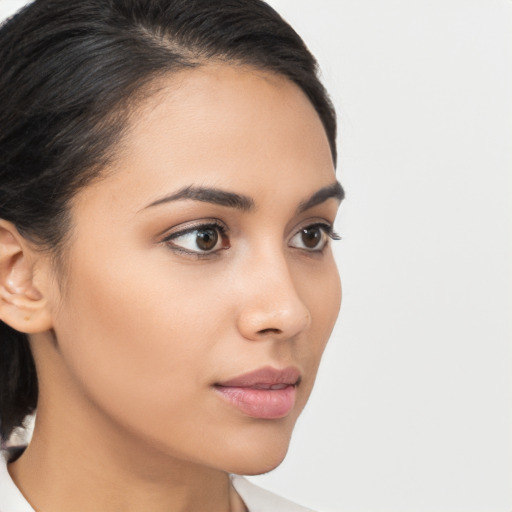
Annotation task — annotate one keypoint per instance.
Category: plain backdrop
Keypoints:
(413, 407)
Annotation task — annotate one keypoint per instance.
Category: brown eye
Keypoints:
(312, 238)
(206, 239)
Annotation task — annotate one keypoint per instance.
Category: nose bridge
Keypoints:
(271, 303)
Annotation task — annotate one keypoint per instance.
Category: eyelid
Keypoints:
(187, 227)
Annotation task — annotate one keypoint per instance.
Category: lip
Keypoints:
(266, 393)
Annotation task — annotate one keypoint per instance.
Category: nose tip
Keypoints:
(282, 316)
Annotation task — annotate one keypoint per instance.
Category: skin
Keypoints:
(129, 342)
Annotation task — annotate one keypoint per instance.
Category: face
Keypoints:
(201, 287)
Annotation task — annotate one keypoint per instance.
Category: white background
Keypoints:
(413, 407)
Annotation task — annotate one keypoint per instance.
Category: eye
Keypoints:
(199, 240)
(313, 238)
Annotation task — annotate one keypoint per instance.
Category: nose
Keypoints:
(271, 305)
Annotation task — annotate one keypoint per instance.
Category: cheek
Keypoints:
(321, 292)
(323, 295)
(135, 337)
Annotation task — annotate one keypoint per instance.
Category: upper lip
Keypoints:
(265, 377)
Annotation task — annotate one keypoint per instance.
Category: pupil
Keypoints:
(207, 239)
(311, 237)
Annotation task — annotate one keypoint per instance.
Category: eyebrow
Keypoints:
(209, 195)
(243, 202)
(334, 190)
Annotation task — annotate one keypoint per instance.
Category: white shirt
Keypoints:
(255, 498)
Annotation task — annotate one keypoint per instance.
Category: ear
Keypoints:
(23, 305)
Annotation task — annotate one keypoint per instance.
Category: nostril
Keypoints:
(270, 331)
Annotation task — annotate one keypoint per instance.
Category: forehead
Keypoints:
(224, 126)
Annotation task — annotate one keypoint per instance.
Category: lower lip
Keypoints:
(260, 403)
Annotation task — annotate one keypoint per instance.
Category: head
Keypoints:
(167, 192)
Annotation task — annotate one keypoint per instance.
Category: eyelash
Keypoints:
(223, 232)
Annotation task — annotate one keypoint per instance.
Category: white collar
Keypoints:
(11, 499)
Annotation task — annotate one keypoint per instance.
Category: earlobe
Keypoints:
(23, 305)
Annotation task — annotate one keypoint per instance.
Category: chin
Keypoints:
(257, 454)
(260, 469)
(257, 466)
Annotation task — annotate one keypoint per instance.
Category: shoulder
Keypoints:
(260, 500)
(11, 499)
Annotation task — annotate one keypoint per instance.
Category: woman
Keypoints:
(167, 288)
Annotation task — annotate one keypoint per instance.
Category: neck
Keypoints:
(78, 462)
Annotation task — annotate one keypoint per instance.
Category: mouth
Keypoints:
(266, 393)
